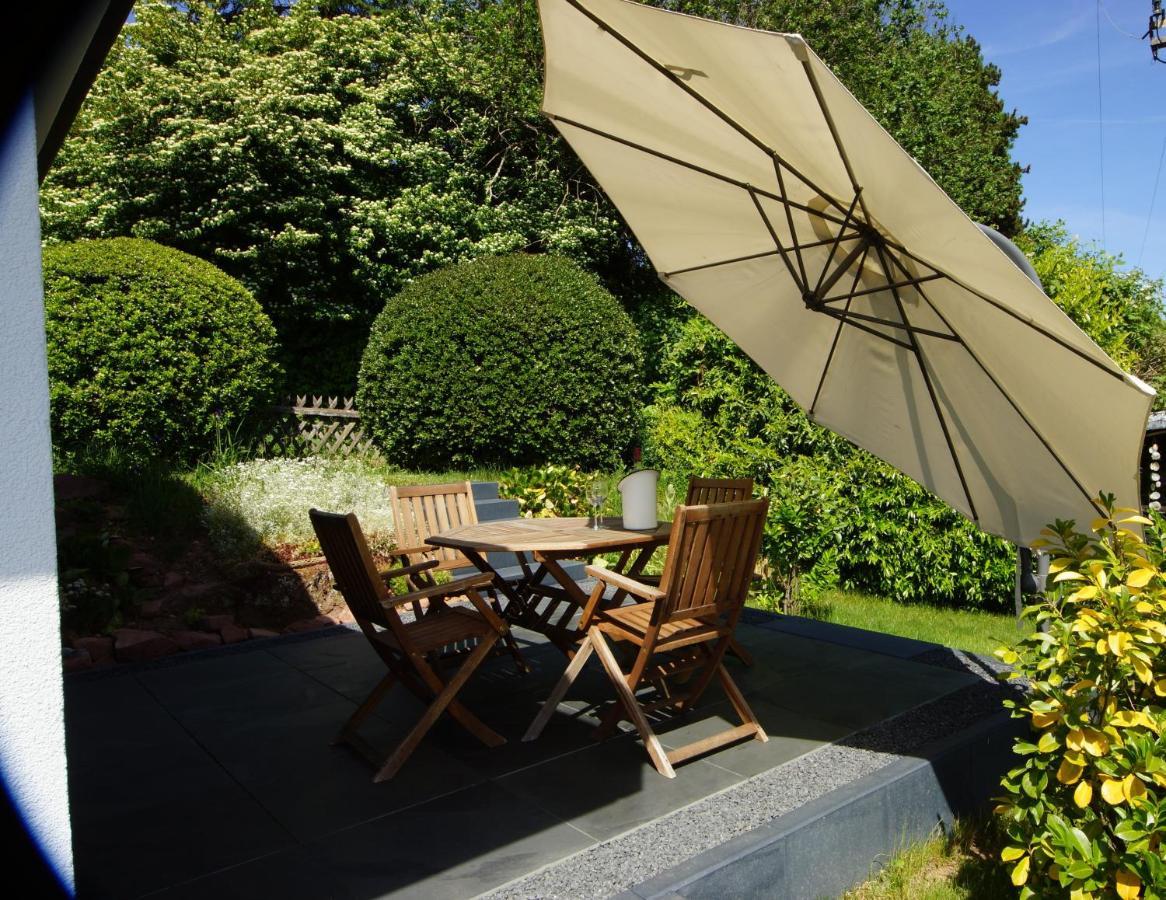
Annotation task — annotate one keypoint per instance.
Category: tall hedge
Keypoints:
(151, 351)
(507, 360)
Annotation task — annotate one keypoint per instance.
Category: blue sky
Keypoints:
(1048, 54)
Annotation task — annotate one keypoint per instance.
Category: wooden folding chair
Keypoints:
(681, 628)
(706, 491)
(425, 509)
(414, 652)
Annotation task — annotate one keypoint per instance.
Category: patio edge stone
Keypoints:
(797, 855)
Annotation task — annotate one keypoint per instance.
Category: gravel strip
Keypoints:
(618, 864)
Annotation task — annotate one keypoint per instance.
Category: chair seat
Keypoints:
(635, 619)
(440, 629)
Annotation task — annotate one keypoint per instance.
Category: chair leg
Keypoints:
(456, 710)
(560, 690)
(740, 704)
(628, 697)
(443, 699)
(376, 695)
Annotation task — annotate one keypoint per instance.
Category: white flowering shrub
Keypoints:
(267, 501)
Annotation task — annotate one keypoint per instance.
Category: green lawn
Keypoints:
(954, 866)
(980, 632)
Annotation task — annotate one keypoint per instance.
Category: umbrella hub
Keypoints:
(872, 286)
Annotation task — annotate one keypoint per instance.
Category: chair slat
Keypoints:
(422, 510)
(707, 491)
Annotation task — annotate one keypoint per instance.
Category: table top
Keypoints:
(551, 535)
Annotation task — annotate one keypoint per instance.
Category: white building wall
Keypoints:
(32, 729)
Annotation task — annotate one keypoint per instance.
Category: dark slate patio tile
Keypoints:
(114, 725)
(330, 651)
(315, 789)
(780, 657)
(609, 788)
(216, 695)
(571, 729)
(149, 805)
(791, 734)
(863, 693)
(454, 847)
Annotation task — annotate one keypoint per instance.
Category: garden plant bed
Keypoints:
(157, 595)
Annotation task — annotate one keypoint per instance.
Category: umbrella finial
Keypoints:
(798, 45)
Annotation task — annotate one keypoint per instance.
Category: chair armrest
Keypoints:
(449, 589)
(623, 583)
(407, 552)
(412, 569)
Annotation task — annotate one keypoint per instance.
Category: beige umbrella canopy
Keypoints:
(767, 196)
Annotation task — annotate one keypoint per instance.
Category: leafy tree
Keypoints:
(324, 160)
(1121, 310)
(327, 152)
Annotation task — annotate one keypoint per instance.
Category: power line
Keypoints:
(1100, 127)
(1153, 197)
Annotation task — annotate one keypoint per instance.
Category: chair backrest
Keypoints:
(703, 491)
(711, 555)
(425, 509)
(342, 540)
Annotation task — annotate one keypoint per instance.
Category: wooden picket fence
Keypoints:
(309, 425)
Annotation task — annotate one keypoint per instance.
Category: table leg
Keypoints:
(516, 609)
(571, 598)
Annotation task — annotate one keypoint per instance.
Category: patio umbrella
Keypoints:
(766, 195)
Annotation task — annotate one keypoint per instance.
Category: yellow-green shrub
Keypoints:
(1084, 812)
(545, 491)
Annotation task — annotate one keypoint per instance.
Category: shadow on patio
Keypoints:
(212, 774)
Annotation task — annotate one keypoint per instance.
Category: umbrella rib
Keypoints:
(881, 287)
(838, 331)
(845, 319)
(736, 182)
(1118, 374)
(720, 262)
(749, 256)
(903, 326)
(922, 363)
(1015, 406)
(698, 97)
(777, 241)
(834, 247)
(813, 79)
(789, 218)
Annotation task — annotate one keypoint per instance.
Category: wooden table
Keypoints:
(549, 542)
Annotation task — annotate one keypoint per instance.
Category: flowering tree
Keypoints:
(325, 160)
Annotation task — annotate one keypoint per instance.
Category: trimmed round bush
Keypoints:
(151, 351)
(507, 360)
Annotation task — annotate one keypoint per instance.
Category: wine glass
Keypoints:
(596, 496)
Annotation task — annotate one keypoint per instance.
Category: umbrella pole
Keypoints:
(1018, 597)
